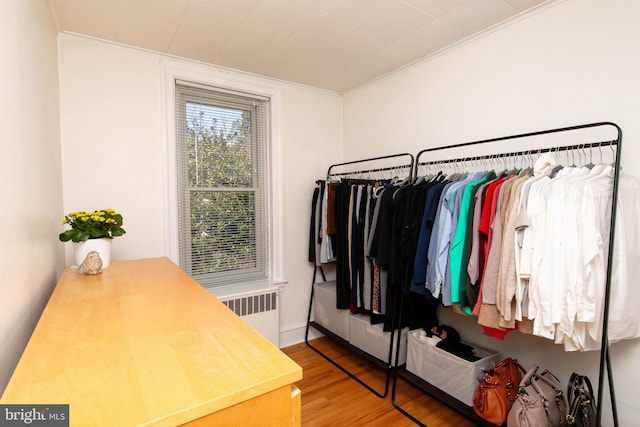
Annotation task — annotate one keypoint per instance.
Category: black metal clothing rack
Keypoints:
(394, 167)
(605, 361)
(408, 165)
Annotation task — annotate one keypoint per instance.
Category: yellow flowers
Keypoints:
(105, 223)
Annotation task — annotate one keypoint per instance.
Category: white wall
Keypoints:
(110, 118)
(112, 151)
(575, 62)
(312, 145)
(31, 211)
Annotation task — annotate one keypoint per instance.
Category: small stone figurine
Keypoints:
(92, 264)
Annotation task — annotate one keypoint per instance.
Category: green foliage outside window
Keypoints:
(222, 202)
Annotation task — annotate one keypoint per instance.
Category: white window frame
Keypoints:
(173, 70)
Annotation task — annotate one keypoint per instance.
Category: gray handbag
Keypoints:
(540, 402)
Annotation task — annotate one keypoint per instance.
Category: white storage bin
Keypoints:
(452, 374)
(325, 312)
(374, 340)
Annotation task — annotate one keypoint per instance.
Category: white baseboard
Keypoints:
(295, 335)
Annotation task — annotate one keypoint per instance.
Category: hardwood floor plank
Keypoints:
(331, 398)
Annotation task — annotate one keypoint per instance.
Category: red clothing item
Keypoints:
(331, 208)
(497, 333)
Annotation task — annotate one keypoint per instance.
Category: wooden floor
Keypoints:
(331, 398)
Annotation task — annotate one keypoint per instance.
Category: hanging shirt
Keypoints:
(435, 269)
(426, 227)
(459, 250)
(559, 241)
(532, 240)
(542, 168)
(473, 267)
(506, 284)
(489, 316)
(485, 234)
(490, 279)
(451, 210)
(624, 317)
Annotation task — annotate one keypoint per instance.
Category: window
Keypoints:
(222, 163)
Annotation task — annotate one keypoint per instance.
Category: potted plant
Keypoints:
(92, 231)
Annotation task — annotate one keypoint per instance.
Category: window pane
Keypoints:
(223, 236)
(219, 146)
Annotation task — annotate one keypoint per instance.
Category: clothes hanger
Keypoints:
(589, 165)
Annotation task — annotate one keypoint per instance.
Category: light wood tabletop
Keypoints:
(144, 344)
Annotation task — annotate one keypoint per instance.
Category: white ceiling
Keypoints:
(330, 44)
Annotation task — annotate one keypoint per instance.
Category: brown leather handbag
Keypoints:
(497, 391)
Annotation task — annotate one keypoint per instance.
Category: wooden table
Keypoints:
(143, 344)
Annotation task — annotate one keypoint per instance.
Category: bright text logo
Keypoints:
(34, 415)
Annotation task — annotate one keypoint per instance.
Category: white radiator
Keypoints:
(260, 309)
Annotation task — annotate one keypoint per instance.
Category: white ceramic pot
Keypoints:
(102, 246)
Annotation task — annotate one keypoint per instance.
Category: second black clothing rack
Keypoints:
(605, 362)
(393, 164)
